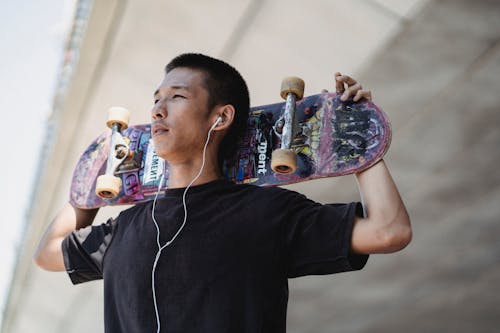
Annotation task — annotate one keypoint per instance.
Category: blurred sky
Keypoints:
(32, 44)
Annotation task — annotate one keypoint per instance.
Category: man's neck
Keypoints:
(182, 174)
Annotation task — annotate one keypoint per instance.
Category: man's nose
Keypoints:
(158, 111)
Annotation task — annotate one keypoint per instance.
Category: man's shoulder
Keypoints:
(134, 211)
(268, 192)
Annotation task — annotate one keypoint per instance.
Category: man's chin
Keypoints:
(162, 152)
(163, 155)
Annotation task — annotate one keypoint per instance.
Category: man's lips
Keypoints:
(158, 129)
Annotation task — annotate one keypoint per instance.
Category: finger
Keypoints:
(347, 79)
(339, 84)
(366, 94)
(351, 91)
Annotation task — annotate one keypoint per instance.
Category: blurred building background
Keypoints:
(434, 66)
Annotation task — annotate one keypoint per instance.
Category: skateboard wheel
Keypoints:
(294, 85)
(118, 115)
(108, 186)
(284, 161)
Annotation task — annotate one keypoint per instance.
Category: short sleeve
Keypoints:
(84, 250)
(318, 238)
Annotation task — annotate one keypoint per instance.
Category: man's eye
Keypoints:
(178, 96)
(156, 101)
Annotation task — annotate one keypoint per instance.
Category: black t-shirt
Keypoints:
(226, 272)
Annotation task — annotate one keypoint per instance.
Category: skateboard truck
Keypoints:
(108, 185)
(284, 159)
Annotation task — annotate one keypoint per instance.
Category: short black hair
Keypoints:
(225, 85)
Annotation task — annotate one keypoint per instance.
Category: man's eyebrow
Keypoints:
(180, 86)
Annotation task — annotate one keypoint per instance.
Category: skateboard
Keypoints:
(298, 140)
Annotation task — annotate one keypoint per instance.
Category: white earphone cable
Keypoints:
(161, 247)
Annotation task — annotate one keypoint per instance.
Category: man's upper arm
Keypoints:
(84, 249)
(364, 237)
(371, 237)
(319, 240)
(52, 257)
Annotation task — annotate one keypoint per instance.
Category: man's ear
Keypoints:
(226, 114)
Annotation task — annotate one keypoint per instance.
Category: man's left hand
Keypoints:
(349, 87)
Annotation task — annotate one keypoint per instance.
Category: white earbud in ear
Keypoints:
(219, 119)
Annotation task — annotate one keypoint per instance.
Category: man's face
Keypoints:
(180, 116)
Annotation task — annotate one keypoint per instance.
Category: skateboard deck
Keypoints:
(333, 138)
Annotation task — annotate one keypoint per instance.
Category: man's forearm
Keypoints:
(49, 254)
(386, 226)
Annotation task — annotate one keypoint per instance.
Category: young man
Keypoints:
(218, 261)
